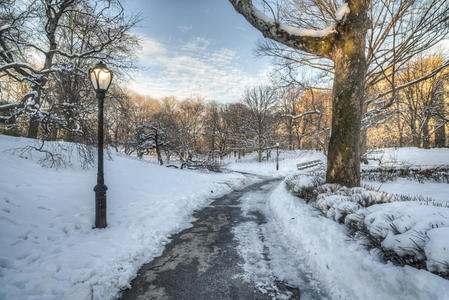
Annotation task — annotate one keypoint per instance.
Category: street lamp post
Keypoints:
(101, 78)
(277, 156)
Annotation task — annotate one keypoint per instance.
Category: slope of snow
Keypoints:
(346, 269)
(48, 248)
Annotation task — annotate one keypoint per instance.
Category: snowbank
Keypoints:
(48, 247)
(344, 266)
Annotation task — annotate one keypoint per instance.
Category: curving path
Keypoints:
(215, 259)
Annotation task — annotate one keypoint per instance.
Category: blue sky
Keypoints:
(195, 47)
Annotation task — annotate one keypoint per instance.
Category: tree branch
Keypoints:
(318, 42)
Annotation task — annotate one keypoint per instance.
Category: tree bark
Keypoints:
(343, 160)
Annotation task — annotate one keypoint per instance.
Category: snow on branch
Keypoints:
(4, 28)
(342, 12)
(310, 112)
(318, 42)
(23, 66)
(293, 30)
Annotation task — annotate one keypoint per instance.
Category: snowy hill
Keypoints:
(48, 247)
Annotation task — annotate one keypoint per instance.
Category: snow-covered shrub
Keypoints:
(406, 230)
(337, 201)
(418, 173)
(304, 185)
(414, 233)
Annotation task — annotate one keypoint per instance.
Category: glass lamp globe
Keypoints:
(100, 77)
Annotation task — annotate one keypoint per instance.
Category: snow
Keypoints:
(345, 268)
(308, 32)
(267, 257)
(49, 249)
(292, 30)
(405, 227)
(437, 249)
(438, 192)
(287, 162)
(342, 12)
(4, 27)
(410, 156)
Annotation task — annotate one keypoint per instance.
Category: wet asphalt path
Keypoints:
(202, 262)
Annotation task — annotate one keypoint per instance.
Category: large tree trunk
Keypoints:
(364, 137)
(343, 160)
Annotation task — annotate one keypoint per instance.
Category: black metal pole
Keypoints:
(277, 158)
(100, 189)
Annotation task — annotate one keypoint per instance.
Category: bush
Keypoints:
(393, 227)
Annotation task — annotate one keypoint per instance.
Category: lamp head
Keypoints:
(100, 77)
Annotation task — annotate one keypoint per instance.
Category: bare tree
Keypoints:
(422, 103)
(150, 137)
(42, 42)
(235, 116)
(263, 119)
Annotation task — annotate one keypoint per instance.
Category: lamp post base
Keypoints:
(100, 205)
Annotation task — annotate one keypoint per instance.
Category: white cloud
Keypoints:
(240, 28)
(192, 68)
(197, 44)
(185, 28)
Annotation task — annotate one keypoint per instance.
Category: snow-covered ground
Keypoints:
(415, 158)
(48, 247)
(287, 162)
(50, 251)
(417, 229)
(322, 246)
(347, 270)
(439, 192)
(409, 156)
